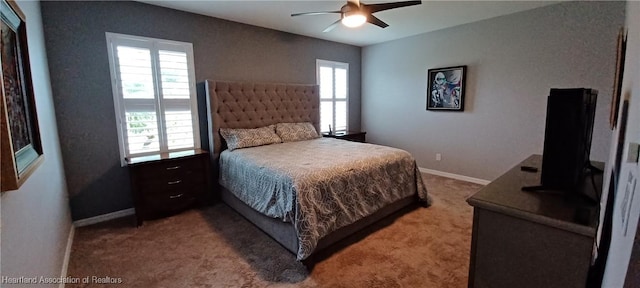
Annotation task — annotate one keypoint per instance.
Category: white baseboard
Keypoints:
(454, 176)
(104, 217)
(67, 255)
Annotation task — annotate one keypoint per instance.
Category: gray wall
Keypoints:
(35, 218)
(76, 46)
(512, 61)
(627, 199)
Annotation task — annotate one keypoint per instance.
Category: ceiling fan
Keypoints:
(356, 13)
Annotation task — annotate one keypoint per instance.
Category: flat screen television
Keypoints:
(567, 140)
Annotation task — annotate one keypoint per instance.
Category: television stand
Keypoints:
(577, 198)
(530, 240)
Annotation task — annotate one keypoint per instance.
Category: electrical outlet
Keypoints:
(438, 156)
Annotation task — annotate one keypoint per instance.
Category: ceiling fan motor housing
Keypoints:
(349, 8)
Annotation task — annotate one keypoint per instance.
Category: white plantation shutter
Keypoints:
(179, 129)
(136, 84)
(154, 94)
(332, 78)
(175, 74)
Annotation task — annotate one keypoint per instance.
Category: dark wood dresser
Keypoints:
(349, 136)
(167, 183)
(531, 239)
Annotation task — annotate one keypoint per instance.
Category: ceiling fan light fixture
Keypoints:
(353, 20)
(356, 13)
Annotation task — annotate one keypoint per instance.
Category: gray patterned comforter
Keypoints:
(320, 185)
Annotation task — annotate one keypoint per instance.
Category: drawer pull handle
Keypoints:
(175, 196)
(174, 182)
(173, 168)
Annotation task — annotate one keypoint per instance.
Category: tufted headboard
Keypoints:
(253, 105)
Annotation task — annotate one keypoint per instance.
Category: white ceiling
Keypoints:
(403, 22)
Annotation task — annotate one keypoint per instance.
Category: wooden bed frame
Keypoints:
(253, 105)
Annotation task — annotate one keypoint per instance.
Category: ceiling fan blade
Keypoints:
(315, 13)
(373, 8)
(332, 26)
(375, 21)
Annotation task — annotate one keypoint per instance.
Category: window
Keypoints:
(334, 94)
(154, 94)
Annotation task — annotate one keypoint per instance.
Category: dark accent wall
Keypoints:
(81, 83)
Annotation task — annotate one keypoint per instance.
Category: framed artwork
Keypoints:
(446, 88)
(617, 80)
(20, 136)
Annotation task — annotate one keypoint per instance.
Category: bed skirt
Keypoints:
(285, 234)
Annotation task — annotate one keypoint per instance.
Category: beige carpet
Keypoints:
(216, 247)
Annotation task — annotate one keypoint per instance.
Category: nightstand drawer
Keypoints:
(172, 200)
(179, 182)
(169, 170)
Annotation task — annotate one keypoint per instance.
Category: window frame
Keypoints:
(333, 65)
(154, 45)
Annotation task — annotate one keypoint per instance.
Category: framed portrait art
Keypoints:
(19, 134)
(446, 88)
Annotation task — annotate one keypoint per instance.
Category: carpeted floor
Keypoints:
(216, 247)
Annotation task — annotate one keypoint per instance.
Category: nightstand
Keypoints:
(167, 183)
(349, 135)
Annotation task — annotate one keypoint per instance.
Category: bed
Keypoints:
(306, 193)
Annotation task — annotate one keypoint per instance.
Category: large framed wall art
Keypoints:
(20, 137)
